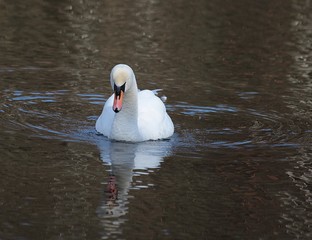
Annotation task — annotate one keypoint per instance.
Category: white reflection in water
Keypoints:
(126, 160)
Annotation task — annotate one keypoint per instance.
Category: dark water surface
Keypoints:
(238, 77)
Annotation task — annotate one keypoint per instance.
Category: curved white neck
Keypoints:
(125, 123)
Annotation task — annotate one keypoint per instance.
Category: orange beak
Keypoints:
(118, 102)
(118, 97)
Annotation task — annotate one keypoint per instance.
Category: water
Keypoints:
(237, 76)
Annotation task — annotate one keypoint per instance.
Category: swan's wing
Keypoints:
(105, 121)
(153, 122)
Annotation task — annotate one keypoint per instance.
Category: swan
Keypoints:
(131, 115)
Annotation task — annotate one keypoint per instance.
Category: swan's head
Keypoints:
(121, 78)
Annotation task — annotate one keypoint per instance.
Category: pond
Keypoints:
(238, 80)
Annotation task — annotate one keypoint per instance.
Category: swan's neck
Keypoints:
(125, 123)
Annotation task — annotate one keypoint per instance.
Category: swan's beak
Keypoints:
(118, 97)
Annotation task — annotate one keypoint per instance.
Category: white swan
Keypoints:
(132, 115)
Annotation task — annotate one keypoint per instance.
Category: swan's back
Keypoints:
(153, 120)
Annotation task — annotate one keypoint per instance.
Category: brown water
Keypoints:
(237, 75)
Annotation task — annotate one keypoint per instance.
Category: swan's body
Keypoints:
(133, 115)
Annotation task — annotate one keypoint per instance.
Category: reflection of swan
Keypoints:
(125, 160)
(132, 115)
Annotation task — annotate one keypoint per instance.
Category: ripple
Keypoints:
(71, 116)
(15, 69)
(34, 97)
(189, 109)
(97, 99)
(247, 95)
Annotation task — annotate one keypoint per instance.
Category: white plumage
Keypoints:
(133, 115)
